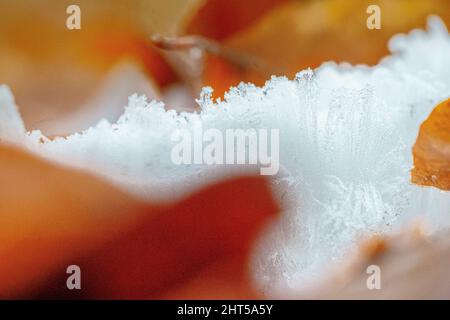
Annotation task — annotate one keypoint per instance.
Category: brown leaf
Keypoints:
(432, 150)
(52, 217)
(219, 19)
(49, 214)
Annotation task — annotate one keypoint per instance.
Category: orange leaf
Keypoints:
(219, 19)
(53, 217)
(432, 150)
(49, 214)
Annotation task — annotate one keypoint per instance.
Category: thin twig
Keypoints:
(238, 58)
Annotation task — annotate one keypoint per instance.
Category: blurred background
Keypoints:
(169, 49)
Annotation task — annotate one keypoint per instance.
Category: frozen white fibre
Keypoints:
(346, 134)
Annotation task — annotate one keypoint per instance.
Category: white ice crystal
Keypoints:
(11, 124)
(346, 134)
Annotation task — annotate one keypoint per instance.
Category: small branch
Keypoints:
(184, 43)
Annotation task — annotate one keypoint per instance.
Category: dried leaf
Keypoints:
(219, 19)
(432, 150)
(53, 217)
(50, 214)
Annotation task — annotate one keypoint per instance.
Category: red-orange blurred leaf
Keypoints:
(219, 19)
(197, 248)
(118, 45)
(49, 214)
(54, 217)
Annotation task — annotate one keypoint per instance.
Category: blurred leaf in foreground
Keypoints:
(52, 217)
